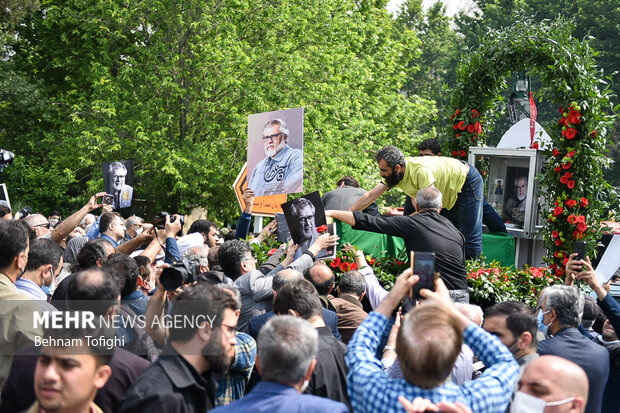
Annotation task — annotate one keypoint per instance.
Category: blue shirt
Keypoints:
(282, 174)
(231, 386)
(372, 390)
(271, 397)
(108, 238)
(32, 290)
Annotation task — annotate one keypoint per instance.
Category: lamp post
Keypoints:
(518, 106)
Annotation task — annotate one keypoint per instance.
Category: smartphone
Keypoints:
(422, 265)
(580, 249)
(107, 199)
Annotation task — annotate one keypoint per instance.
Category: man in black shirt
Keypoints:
(202, 338)
(299, 298)
(424, 230)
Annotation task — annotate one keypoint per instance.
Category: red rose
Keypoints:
(535, 145)
(577, 235)
(353, 267)
(475, 113)
(581, 227)
(555, 234)
(562, 122)
(557, 211)
(581, 218)
(567, 165)
(569, 203)
(470, 128)
(593, 134)
(478, 127)
(556, 203)
(458, 135)
(344, 267)
(571, 133)
(564, 132)
(321, 229)
(454, 153)
(461, 125)
(570, 184)
(583, 203)
(568, 174)
(559, 271)
(563, 179)
(571, 154)
(558, 169)
(462, 154)
(455, 126)
(335, 262)
(555, 153)
(564, 261)
(272, 251)
(458, 112)
(571, 219)
(561, 110)
(372, 261)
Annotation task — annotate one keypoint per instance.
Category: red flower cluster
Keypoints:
(535, 146)
(570, 120)
(335, 263)
(569, 203)
(348, 266)
(566, 180)
(558, 211)
(584, 202)
(321, 229)
(555, 153)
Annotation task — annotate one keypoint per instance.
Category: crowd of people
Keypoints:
(191, 322)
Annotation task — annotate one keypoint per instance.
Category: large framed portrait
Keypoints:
(118, 182)
(275, 152)
(515, 196)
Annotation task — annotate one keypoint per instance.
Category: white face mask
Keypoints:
(139, 231)
(525, 403)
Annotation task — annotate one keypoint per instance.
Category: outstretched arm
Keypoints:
(369, 197)
(344, 216)
(65, 227)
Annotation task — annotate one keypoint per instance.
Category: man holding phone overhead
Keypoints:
(424, 231)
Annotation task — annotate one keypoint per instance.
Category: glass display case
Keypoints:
(511, 188)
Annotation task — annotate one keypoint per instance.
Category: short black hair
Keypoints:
(348, 181)
(200, 300)
(431, 144)
(54, 212)
(203, 226)
(105, 221)
(97, 348)
(92, 290)
(43, 252)
(91, 252)
(4, 210)
(352, 282)
(519, 318)
(14, 239)
(391, 155)
(124, 270)
(230, 255)
(299, 296)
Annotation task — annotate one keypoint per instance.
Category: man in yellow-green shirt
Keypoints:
(460, 184)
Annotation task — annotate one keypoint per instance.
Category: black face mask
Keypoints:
(394, 179)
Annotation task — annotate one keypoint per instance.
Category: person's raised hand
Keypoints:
(172, 228)
(270, 229)
(147, 234)
(107, 208)
(440, 294)
(419, 405)
(248, 198)
(323, 241)
(573, 267)
(403, 283)
(92, 202)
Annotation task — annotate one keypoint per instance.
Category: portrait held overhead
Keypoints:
(275, 152)
(118, 181)
(305, 217)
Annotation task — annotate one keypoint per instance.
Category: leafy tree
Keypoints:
(169, 85)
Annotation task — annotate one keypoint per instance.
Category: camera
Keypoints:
(6, 158)
(181, 272)
(160, 220)
(107, 199)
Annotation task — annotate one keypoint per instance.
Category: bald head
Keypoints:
(322, 277)
(558, 379)
(472, 312)
(283, 277)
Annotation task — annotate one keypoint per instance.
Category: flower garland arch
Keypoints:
(573, 181)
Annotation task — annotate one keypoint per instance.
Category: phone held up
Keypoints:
(423, 265)
(580, 249)
(107, 199)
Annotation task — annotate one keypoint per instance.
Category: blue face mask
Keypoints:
(542, 327)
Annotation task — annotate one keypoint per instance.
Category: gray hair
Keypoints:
(283, 126)
(115, 166)
(429, 198)
(472, 312)
(391, 155)
(286, 347)
(567, 302)
(132, 220)
(299, 203)
(352, 282)
(232, 288)
(198, 253)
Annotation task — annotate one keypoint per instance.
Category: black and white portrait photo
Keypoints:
(303, 216)
(275, 152)
(118, 181)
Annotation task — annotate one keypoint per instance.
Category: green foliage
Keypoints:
(569, 74)
(492, 283)
(169, 85)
